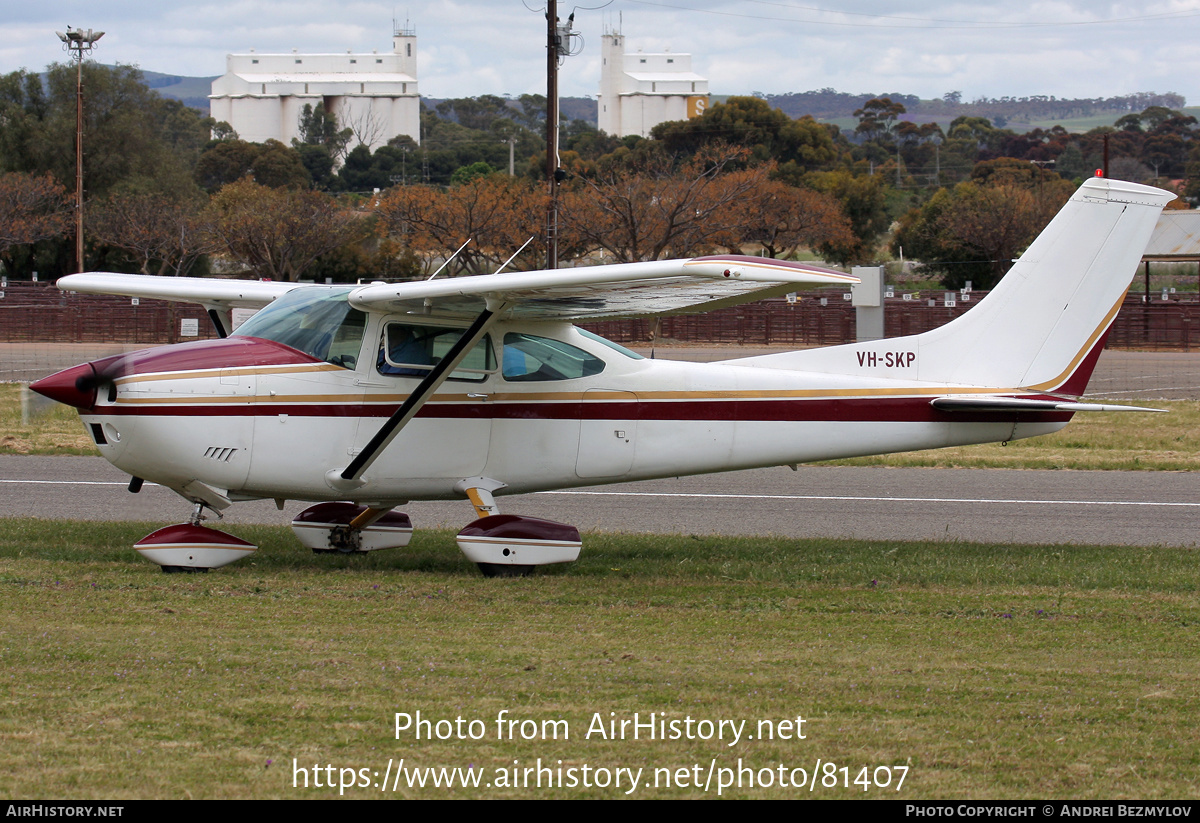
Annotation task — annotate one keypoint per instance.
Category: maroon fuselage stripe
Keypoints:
(227, 353)
(879, 410)
(241, 352)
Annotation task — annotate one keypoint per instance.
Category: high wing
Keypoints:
(589, 292)
(619, 290)
(221, 295)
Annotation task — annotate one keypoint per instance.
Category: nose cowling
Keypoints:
(78, 385)
(75, 386)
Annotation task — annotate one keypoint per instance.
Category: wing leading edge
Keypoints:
(583, 293)
(220, 295)
(619, 290)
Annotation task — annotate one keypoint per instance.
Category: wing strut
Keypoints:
(351, 476)
(215, 317)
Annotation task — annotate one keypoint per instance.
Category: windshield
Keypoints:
(316, 320)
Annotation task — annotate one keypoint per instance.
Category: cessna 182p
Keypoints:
(363, 398)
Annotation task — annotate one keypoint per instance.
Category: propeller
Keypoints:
(79, 386)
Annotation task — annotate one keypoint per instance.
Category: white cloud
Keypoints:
(471, 47)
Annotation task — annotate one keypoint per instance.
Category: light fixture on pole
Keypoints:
(558, 46)
(77, 42)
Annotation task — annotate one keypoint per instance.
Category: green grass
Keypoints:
(51, 428)
(991, 671)
(1115, 441)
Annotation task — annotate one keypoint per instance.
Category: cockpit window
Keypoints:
(529, 359)
(412, 350)
(317, 321)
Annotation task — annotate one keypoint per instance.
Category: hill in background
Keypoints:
(828, 105)
(193, 91)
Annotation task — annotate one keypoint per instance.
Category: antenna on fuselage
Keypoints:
(448, 261)
(514, 257)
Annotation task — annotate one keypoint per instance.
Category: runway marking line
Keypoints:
(878, 499)
(696, 495)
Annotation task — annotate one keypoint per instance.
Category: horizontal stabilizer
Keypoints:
(994, 404)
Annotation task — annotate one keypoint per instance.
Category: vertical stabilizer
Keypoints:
(1041, 322)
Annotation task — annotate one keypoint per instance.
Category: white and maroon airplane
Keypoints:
(363, 398)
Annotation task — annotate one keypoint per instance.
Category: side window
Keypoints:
(409, 350)
(529, 359)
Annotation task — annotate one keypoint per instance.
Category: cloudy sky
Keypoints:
(1066, 48)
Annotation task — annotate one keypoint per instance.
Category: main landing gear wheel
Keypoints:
(504, 570)
(348, 528)
(511, 545)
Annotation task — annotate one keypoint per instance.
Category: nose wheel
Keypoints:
(501, 570)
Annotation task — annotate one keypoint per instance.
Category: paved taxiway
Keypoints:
(1128, 508)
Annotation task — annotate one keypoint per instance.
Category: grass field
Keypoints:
(1123, 441)
(47, 428)
(987, 671)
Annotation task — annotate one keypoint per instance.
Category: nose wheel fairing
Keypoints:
(188, 547)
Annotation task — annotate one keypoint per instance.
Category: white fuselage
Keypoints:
(276, 430)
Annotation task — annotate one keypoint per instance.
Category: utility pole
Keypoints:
(552, 133)
(76, 42)
(558, 46)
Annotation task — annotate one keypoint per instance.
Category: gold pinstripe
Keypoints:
(153, 546)
(227, 372)
(1066, 373)
(590, 396)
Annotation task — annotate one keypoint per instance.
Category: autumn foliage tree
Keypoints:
(975, 230)
(32, 208)
(780, 219)
(279, 232)
(655, 209)
(168, 232)
(495, 212)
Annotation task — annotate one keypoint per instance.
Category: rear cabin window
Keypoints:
(530, 359)
(411, 350)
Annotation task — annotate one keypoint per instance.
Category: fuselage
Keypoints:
(539, 406)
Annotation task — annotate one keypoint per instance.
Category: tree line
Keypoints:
(170, 191)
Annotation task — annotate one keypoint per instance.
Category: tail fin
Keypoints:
(1037, 328)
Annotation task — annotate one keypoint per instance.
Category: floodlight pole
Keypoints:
(558, 46)
(76, 42)
(552, 133)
